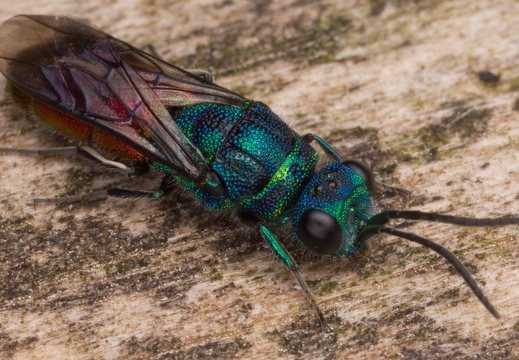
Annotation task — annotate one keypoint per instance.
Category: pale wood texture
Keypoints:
(393, 83)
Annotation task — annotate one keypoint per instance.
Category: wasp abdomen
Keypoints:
(74, 128)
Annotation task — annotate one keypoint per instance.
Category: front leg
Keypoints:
(287, 260)
(328, 149)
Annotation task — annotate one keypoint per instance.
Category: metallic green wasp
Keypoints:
(231, 152)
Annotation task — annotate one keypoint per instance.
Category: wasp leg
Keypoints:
(138, 169)
(94, 195)
(206, 75)
(328, 149)
(64, 150)
(287, 260)
(88, 152)
(73, 198)
(166, 186)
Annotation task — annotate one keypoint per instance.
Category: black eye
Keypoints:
(320, 232)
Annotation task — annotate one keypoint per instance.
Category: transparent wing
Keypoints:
(93, 76)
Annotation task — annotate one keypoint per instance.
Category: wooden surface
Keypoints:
(392, 83)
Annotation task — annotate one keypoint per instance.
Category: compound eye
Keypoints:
(320, 232)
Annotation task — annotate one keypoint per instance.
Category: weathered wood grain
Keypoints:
(393, 83)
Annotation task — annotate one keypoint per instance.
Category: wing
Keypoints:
(106, 82)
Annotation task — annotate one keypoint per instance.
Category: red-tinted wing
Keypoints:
(90, 75)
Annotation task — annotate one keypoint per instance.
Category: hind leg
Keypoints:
(87, 152)
(167, 184)
(64, 150)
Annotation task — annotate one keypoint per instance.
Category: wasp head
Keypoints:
(333, 208)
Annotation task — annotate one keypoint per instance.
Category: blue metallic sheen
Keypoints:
(269, 170)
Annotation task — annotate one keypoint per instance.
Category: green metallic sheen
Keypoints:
(277, 247)
(161, 167)
(285, 174)
(261, 161)
(268, 170)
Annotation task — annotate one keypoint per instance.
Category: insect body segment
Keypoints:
(261, 161)
(75, 128)
(231, 152)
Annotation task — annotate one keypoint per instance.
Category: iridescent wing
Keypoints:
(109, 84)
